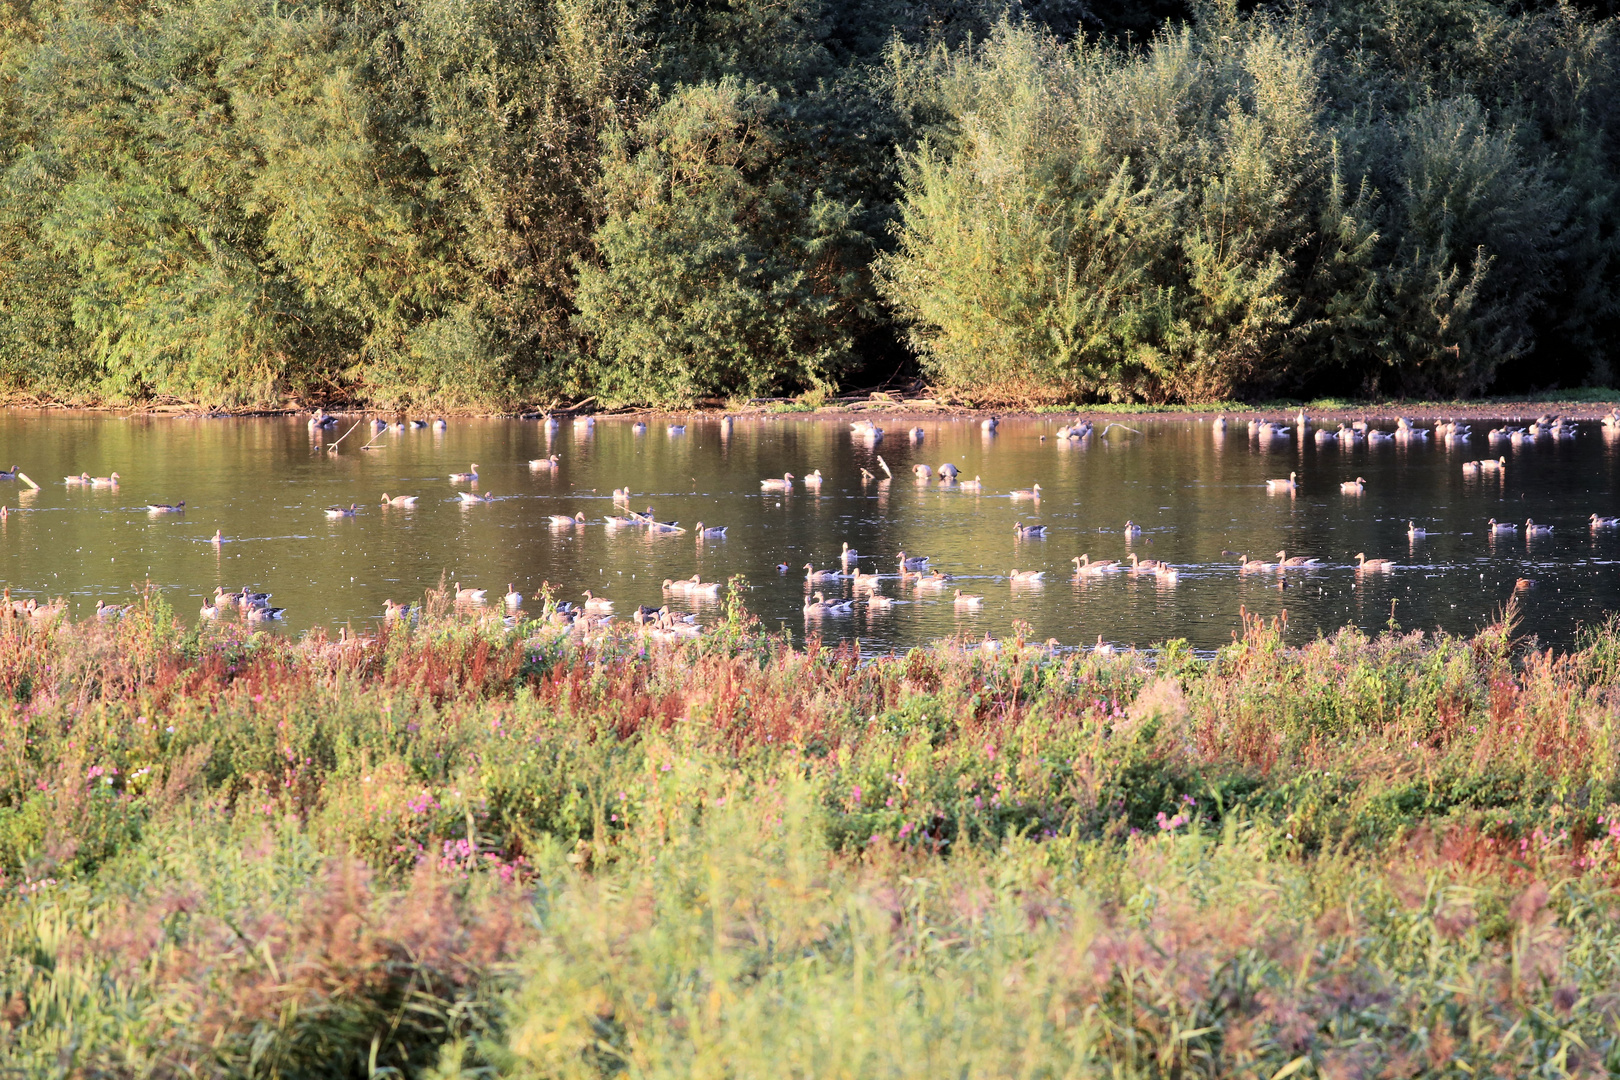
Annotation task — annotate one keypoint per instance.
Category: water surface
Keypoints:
(263, 483)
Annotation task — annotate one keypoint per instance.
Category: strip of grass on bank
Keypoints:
(457, 846)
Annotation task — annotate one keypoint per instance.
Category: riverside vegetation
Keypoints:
(487, 203)
(457, 848)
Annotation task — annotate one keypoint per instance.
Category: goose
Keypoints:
(1498, 434)
(1301, 420)
(1495, 526)
(1132, 529)
(104, 481)
(1140, 565)
(342, 511)
(679, 587)
(918, 562)
(621, 495)
(706, 532)
(1353, 487)
(916, 434)
(1084, 567)
(814, 576)
(474, 497)
(989, 424)
(814, 479)
(585, 422)
(879, 601)
(613, 521)
(209, 611)
(1414, 531)
(694, 587)
(1248, 565)
(1599, 522)
(391, 610)
(399, 500)
(469, 596)
(862, 427)
(465, 477)
(513, 598)
(82, 478)
(726, 424)
(773, 484)
(165, 508)
(1470, 468)
(1274, 486)
(563, 521)
(1219, 425)
(439, 424)
(931, 579)
(1487, 465)
(1024, 532)
(1524, 584)
(848, 555)
(922, 472)
(1102, 647)
(1532, 529)
(1298, 561)
(1323, 436)
(989, 646)
(817, 605)
(225, 599)
(265, 614)
(1027, 493)
(544, 464)
(110, 611)
(552, 421)
(1168, 575)
(1025, 577)
(664, 527)
(968, 600)
(248, 598)
(14, 472)
(865, 581)
(419, 424)
(974, 484)
(597, 605)
(1412, 434)
(219, 537)
(1375, 565)
(639, 427)
(948, 471)
(677, 429)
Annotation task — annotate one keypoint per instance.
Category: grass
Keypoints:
(458, 849)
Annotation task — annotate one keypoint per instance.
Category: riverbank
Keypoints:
(460, 844)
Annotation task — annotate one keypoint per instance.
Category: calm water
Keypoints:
(264, 483)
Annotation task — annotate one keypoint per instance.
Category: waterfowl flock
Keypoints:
(916, 577)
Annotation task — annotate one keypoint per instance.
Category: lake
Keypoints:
(263, 484)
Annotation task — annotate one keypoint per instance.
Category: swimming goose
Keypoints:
(209, 611)
(399, 500)
(104, 481)
(1532, 529)
(1275, 486)
(922, 472)
(1168, 575)
(264, 614)
(865, 581)
(1297, 561)
(513, 598)
(862, 427)
(709, 532)
(813, 480)
(1604, 522)
(391, 610)
(694, 587)
(677, 429)
(1487, 465)
(1140, 565)
(597, 605)
(1376, 565)
(474, 497)
(1025, 577)
(974, 484)
(1323, 436)
(563, 521)
(469, 596)
(82, 478)
(165, 508)
(11, 475)
(110, 611)
(1470, 468)
(919, 562)
(418, 424)
(465, 477)
(817, 605)
(639, 427)
(1026, 493)
(1102, 647)
(1084, 567)
(1495, 526)
(439, 424)
(586, 422)
(1026, 531)
(773, 484)
(848, 555)
(1219, 425)
(225, 599)
(1249, 565)
(677, 586)
(990, 424)
(1353, 487)
(622, 495)
(879, 601)
(814, 576)
(248, 598)
(916, 434)
(1414, 532)
(948, 471)
(968, 600)
(544, 464)
(218, 538)
(340, 511)
(613, 521)
(930, 579)
(1132, 529)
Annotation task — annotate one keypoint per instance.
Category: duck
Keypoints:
(1024, 532)
(914, 563)
(1140, 565)
(265, 614)
(1084, 567)
(392, 610)
(563, 521)
(1026, 493)
(1290, 484)
(773, 484)
(814, 576)
(465, 477)
(813, 480)
(1132, 529)
(1353, 487)
(709, 532)
(597, 605)
(105, 610)
(968, 600)
(82, 478)
(1025, 577)
(1415, 531)
(544, 464)
(342, 511)
(513, 598)
(165, 508)
(1298, 561)
(974, 484)
(1376, 565)
(399, 500)
(1495, 526)
(1532, 529)
(469, 596)
(1600, 522)
(104, 481)
(474, 497)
